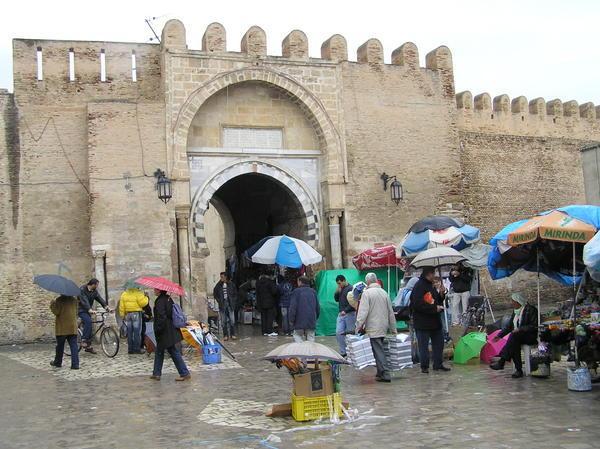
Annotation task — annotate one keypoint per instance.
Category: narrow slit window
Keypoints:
(71, 65)
(40, 70)
(102, 65)
(133, 67)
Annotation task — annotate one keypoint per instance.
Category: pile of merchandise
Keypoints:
(358, 349)
(398, 352)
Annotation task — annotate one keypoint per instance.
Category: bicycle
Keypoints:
(109, 339)
(474, 316)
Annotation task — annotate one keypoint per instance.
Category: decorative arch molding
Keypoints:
(328, 135)
(295, 186)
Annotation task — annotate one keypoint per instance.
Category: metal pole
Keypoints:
(537, 257)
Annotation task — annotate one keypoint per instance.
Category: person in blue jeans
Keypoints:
(346, 319)
(167, 338)
(87, 295)
(65, 328)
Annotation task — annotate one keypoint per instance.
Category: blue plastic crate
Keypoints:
(211, 354)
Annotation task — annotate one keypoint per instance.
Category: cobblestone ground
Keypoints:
(111, 403)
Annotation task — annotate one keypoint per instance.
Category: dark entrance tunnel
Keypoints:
(261, 206)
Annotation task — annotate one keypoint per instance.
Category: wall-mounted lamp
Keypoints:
(396, 191)
(163, 186)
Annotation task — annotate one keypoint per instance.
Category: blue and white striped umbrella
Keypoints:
(286, 251)
(457, 238)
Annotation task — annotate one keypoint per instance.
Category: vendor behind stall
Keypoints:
(522, 327)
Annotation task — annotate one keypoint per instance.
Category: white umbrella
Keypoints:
(308, 350)
(286, 251)
(436, 257)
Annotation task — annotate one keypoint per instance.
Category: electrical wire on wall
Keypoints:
(79, 180)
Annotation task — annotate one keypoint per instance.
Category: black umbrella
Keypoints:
(57, 284)
(435, 223)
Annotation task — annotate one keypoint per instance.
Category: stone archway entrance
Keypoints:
(245, 202)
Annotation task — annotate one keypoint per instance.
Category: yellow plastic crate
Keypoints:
(307, 409)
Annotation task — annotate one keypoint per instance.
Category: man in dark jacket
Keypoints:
(346, 319)
(304, 311)
(226, 295)
(426, 305)
(284, 291)
(266, 302)
(460, 281)
(523, 329)
(87, 295)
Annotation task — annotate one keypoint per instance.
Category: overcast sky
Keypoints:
(536, 48)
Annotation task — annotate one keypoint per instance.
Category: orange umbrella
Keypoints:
(553, 226)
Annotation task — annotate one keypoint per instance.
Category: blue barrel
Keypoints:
(211, 354)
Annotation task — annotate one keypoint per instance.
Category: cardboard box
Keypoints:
(318, 382)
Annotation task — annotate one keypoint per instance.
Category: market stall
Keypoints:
(550, 243)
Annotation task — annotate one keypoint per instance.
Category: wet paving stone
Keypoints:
(111, 403)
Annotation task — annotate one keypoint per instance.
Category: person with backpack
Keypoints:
(285, 289)
(168, 318)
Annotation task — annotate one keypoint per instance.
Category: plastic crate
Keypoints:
(211, 354)
(307, 409)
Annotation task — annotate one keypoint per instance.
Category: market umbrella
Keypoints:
(492, 348)
(250, 251)
(435, 223)
(591, 256)
(161, 284)
(457, 237)
(286, 251)
(373, 258)
(469, 346)
(436, 257)
(57, 284)
(308, 350)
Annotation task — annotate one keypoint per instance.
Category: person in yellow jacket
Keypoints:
(131, 307)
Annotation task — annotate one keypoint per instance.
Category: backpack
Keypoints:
(178, 317)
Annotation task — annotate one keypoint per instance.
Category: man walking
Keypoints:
(304, 311)
(65, 329)
(426, 304)
(460, 281)
(226, 295)
(346, 319)
(376, 318)
(131, 308)
(87, 295)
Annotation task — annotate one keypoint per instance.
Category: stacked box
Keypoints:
(358, 349)
(398, 352)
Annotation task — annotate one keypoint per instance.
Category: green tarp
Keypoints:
(326, 286)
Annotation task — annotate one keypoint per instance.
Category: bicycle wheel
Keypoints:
(109, 340)
(79, 339)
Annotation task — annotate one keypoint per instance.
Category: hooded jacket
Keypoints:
(132, 300)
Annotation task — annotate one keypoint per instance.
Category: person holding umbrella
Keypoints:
(427, 304)
(167, 337)
(64, 309)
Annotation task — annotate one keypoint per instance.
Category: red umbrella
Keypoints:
(382, 257)
(161, 284)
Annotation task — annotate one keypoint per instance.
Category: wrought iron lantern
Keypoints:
(163, 186)
(396, 190)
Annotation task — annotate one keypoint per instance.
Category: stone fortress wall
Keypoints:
(77, 156)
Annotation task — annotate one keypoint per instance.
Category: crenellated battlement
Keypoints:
(537, 117)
